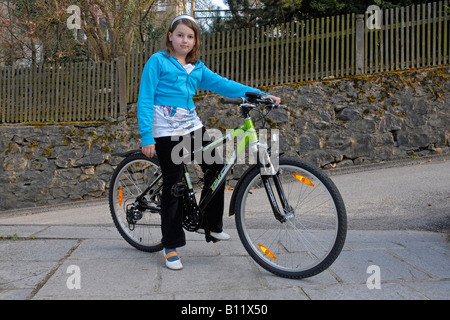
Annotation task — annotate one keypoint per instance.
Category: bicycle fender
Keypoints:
(131, 152)
(126, 153)
(238, 187)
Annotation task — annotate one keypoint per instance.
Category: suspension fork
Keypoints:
(267, 170)
(287, 209)
(272, 199)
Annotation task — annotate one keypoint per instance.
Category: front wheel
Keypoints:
(312, 232)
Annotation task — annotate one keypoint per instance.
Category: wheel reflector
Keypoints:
(303, 179)
(267, 251)
(119, 196)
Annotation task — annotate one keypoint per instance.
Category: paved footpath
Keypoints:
(43, 253)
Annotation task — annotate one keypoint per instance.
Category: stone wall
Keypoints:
(54, 163)
(360, 120)
(332, 123)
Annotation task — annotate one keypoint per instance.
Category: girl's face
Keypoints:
(183, 40)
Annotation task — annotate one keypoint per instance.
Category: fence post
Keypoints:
(122, 73)
(359, 43)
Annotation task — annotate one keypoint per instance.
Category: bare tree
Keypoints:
(109, 27)
(121, 19)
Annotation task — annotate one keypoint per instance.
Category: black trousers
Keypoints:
(171, 207)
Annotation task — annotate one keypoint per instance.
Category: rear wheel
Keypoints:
(313, 231)
(137, 215)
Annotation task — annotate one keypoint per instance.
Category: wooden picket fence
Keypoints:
(59, 92)
(410, 37)
(293, 52)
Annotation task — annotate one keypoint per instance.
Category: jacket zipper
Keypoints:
(187, 78)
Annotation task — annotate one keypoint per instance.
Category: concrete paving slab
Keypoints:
(352, 266)
(35, 250)
(388, 291)
(204, 274)
(102, 278)
(433, 290)
(20, 230)
(247, 294)
(18, 279)
(26, 264)
(429, 261)
(325, 278)
(79, 232)
(106, 249)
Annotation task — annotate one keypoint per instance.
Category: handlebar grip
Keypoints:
(236, 101)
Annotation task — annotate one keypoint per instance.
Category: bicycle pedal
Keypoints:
(178, 190)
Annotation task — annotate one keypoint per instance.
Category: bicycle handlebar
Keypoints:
(236, 101)
(253, 99)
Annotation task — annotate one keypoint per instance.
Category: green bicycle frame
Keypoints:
(247, 135)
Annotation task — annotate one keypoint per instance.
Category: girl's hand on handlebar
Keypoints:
(277, 100)
(149, 150)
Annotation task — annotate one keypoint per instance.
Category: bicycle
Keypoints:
(292, 220)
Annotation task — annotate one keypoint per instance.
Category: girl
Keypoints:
(165, 109)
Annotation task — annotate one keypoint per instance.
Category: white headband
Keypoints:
(183, 16)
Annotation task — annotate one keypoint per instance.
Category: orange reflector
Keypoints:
(267, 251)
(303, 179)
(119, 196)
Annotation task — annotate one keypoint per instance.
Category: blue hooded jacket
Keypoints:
(165, 82)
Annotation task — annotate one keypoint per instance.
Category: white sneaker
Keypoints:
(174, 264)
(219, 236)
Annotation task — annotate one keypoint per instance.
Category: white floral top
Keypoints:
(173, 121)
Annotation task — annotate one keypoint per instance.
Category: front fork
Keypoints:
(287, 209)
(270, 171)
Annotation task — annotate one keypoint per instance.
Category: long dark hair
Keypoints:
(192, 56)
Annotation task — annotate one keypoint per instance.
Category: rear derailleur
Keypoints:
(133, 215)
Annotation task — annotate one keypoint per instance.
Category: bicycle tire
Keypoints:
(287, 249)
(130, 178)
